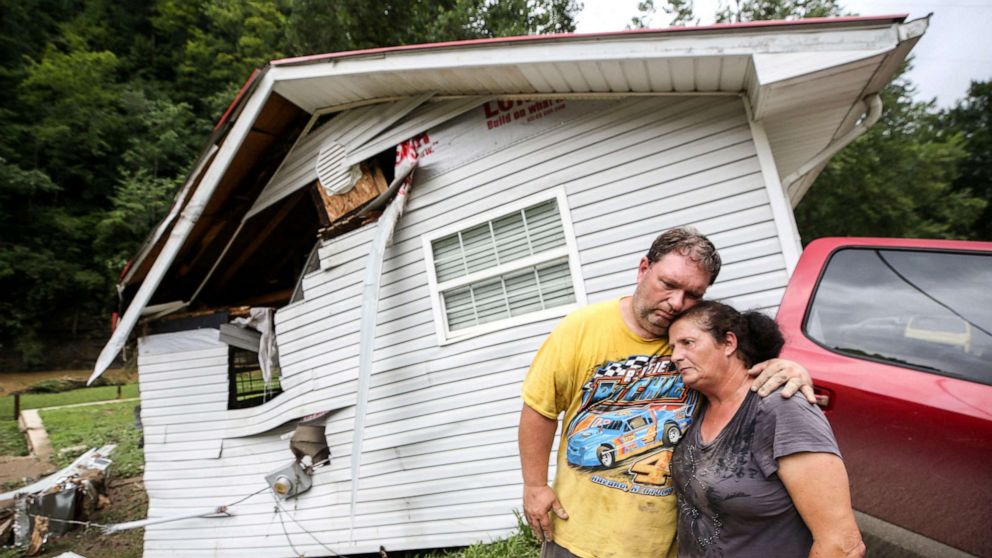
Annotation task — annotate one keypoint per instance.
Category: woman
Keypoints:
(754, 476)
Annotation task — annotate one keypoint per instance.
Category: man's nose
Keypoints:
(677, 300)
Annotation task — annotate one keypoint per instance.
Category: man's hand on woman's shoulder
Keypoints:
(780, 373)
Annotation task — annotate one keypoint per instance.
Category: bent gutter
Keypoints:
(370, 305)
(187, 220)
(874, 112)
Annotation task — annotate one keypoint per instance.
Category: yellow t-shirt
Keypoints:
(625, 408)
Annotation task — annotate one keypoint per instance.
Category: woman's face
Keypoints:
(700, 359)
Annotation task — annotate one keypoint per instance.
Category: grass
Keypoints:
(11, 440)
(521, 544)
(95, 426)
(83, 395)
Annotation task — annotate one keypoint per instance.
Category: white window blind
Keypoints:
(510, 266)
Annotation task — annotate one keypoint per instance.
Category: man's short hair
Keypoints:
(689, 242)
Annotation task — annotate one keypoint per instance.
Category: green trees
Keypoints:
(971, 120)
(107, 102)
(899, 179)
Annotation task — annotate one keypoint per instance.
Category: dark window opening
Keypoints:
(247, 386)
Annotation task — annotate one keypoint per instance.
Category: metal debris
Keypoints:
(53, 505)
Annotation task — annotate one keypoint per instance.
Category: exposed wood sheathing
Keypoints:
(439, 466)
(367, 188)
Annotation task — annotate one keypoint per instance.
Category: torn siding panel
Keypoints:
(350, 129)
(422, 119)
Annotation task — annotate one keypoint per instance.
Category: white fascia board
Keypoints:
(187, 219)
(872, 38)
(781, 66)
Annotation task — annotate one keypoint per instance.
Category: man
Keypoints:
(608, 368)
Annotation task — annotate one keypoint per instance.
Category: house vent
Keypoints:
(334, 176)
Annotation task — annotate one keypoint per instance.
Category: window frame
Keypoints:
(570, 252)
(233, 403)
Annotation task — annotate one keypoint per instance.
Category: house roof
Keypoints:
(805, 80)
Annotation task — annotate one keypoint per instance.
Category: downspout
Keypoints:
(406, 163)
(874, 103)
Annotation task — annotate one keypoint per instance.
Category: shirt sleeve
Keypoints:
(551, 375)
(788, 426)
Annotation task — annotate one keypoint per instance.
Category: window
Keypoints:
(517, 266)
(929, 310)
(246, 387)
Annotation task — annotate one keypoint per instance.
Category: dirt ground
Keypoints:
(19, 471)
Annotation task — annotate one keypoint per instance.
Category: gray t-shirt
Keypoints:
(731, 501)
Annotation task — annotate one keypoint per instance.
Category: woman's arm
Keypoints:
(817, 483)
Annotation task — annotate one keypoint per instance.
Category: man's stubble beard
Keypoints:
(644, 314)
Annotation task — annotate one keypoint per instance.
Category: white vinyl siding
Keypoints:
(511, 266)
(439, 463)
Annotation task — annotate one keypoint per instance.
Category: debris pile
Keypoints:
(55, 504)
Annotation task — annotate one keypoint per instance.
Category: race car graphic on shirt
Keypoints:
(614, 436)
(632, 407)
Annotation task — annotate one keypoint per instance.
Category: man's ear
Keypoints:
(729, 343)
(643, 267)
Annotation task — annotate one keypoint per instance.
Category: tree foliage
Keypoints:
(896, 180)
(971, 118)
(108, 101)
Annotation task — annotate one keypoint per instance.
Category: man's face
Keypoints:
(664, 289)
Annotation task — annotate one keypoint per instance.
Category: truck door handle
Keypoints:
(822, 396)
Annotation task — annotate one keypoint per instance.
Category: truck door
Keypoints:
(897, 337)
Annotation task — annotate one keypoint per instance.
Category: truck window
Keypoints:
(924, 309)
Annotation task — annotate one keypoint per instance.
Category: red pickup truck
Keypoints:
(897, 335)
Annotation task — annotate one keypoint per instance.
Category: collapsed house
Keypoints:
(376, 243)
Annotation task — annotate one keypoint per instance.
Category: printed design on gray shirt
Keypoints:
(726, 457)
(634, 407)
(731, 501)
